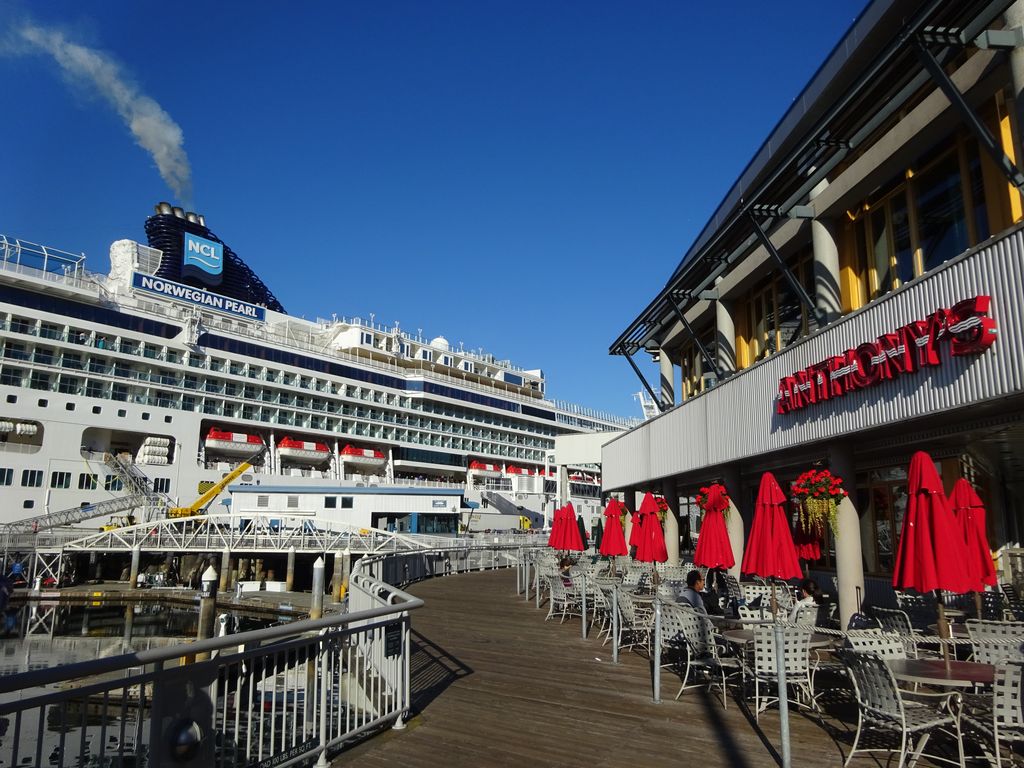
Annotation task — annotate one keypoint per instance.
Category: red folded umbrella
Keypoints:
(556, 521)
(651, 548)
(970, 514)
(635, 532)
(807, 540)
(932, 553)
(613, 543)
(571, 538)
(770, 551)
(713, 547)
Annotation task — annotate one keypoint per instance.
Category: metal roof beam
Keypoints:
(639, 375)
(795, 284)
(705, 355)
(978, 128)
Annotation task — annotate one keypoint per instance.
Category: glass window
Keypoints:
(60, 479)
(112, 483)
(161, 484)
(86, 481)
(330, 502)
(942, 220)
(6, 475)
(32, 478)
(346, 502)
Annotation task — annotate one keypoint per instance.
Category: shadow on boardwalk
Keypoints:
(496, 685)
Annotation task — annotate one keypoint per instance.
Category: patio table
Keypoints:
(744, 636)
(951, 674)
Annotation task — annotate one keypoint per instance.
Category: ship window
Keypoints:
(97, 409)
(145, 416)
(122, 412)
(112, 483)
(167, 419)
(262, 502)
(40, 380)
(32, 478)
(28, 504)
(346, 502)
(161, 484)
(330, 502)
(367, 338)
(6, 475)
(60, 479)
(293, 502)
(12, 398)
(86, 481)
(69, 406)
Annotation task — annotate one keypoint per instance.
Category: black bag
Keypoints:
(862, 621)
(711, 603)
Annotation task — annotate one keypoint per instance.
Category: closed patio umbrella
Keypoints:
(970, 514)
(556, 524)
(636, 521)
(651, 548)
(770, 552)
(598, 535)
(613, 543)
(571, 539)
(582, 530)
(932, 553)
(713, 547)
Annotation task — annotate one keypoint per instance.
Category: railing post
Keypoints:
(615, 624)
(656, 652)
(536, 582)
(583, 603)
(321, 761)
(780, 672)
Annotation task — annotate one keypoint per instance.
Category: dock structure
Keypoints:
(494, 684)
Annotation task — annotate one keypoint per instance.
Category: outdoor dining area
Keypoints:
(937, 679)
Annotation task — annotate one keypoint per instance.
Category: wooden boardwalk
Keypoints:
(496, 685)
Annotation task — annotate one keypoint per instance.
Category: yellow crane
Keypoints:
(199, 506)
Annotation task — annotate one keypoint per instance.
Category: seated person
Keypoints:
(810, 595)
(692, 594)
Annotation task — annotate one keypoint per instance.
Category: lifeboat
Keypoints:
(302, 451)
(513, 470)
(365, 457)
(480, 469)
(232, 443)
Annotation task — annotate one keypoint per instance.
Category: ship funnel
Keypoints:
(164, 208)
(192, 217)
(179, 212)
(202, 219)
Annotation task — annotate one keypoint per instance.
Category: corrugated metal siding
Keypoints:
(737, 419)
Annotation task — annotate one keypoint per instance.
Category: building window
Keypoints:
(32, 478)
(161, 485)
(86, 481)
(346, 502)
(60, 479)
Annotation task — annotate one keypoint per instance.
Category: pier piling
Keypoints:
(316, 608)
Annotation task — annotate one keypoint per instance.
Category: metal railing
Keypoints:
(278, 696)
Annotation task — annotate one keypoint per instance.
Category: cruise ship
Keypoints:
(158, 379)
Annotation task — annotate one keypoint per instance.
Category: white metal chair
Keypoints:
(635, 623)
(760, 666)
(881, 705)
(885, 645)
(564, 600)
(995, 641)
(898, 622)
(999, 716)
(696, 647)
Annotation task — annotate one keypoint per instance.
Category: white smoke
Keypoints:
(153, 129)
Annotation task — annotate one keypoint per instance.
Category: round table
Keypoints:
(951, 674)
(744, 636)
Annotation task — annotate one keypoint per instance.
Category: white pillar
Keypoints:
(668, 490)
(826, 263)
(1014, 17)
(734, 520)
(563, 485)
(849, 562)
(668, 389)
(725, 336)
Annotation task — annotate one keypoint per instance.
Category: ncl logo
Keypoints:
(203, 259)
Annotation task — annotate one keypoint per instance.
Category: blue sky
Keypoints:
(521, 177)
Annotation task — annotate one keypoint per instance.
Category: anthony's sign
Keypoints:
(967, 327)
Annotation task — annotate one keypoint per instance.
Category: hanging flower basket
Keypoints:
(719, 498)
(818, 493)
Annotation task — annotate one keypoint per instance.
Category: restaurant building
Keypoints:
(857, 296)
